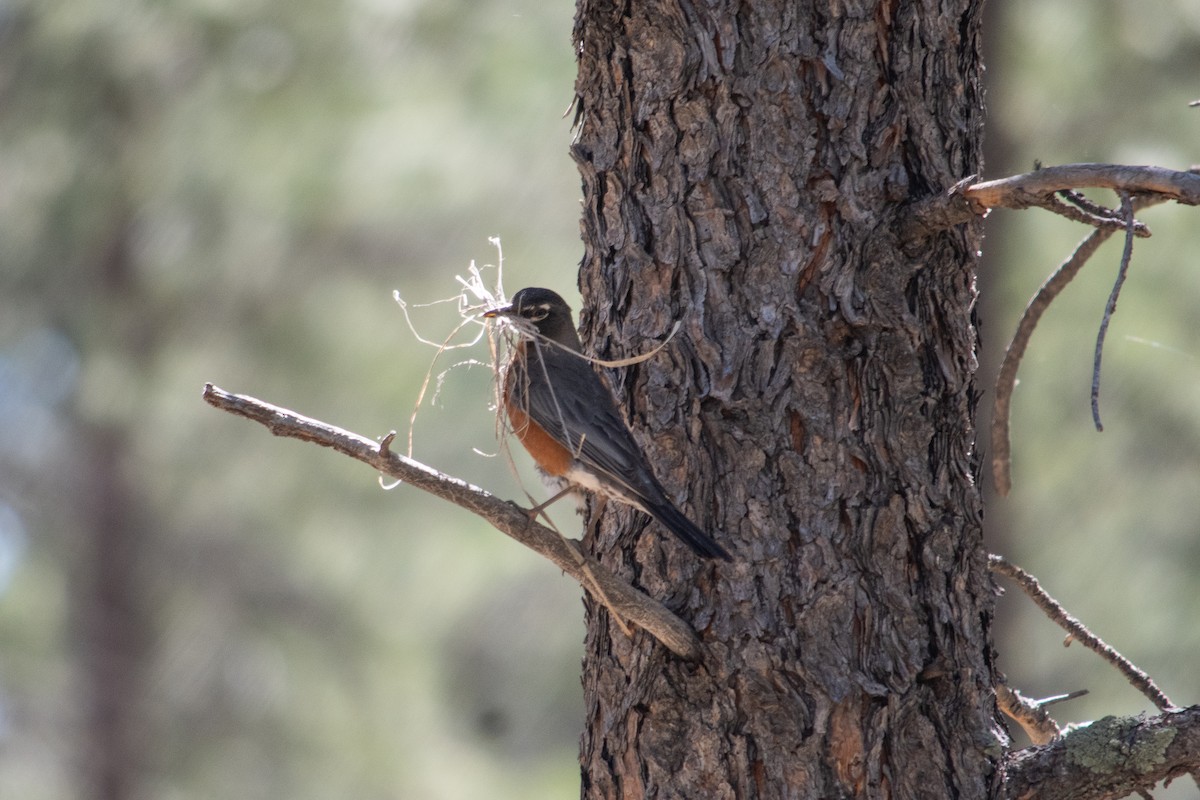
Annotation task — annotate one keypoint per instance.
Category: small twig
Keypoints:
(1140, 680)
(1111, 306)
(1006, 378)
(1081, 200)
(1089, 213)
(624, 600)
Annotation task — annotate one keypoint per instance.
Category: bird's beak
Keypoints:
(492, 313)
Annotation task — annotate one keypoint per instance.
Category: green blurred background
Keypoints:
(209, 190)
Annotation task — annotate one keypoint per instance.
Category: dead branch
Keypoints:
(623, 600)
(1111, 306)
(1006, 378)
(1054, 610)
(969, 199)
(1107, 759)
(1080, 209)
(1022, 191)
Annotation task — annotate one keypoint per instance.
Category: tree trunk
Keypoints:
(745, 169)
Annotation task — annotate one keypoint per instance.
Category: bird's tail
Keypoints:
(688, 532)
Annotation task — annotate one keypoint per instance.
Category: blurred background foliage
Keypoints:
(208, 190)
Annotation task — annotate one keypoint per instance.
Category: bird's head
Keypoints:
(543, 311)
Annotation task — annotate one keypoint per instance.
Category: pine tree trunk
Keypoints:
(745, 169)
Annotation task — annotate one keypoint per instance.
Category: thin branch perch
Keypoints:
(623, 600)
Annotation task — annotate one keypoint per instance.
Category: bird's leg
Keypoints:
(540, 507)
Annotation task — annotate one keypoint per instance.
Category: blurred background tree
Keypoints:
(209, 190)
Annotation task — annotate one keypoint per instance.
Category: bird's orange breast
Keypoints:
(549, 454)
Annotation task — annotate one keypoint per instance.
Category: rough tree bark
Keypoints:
(746, 168)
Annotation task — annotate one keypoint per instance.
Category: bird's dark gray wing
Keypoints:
(577, 409)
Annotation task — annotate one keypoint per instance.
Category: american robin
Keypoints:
(565, 417)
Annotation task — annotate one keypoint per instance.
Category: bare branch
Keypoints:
(1140, 680)
(1095, 209)
(1022, 191)
(967, 200)
(623, 600)
(1107, 759)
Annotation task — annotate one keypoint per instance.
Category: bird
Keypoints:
(565, 417)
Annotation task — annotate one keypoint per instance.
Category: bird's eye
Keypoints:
(538, 313)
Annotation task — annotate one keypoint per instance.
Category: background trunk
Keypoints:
(745, 170)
